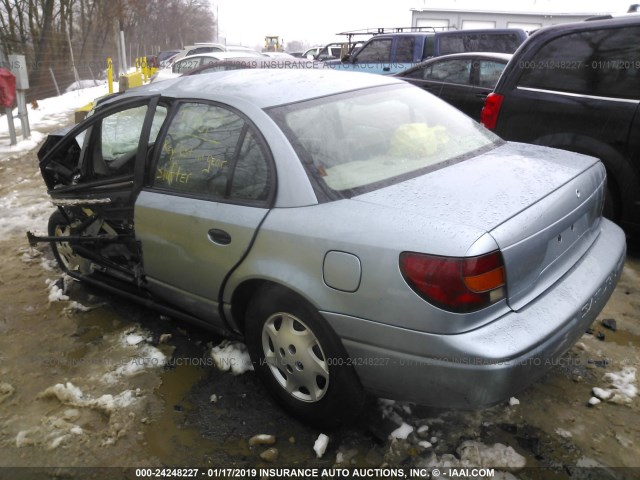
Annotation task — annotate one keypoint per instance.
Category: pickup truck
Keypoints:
(388, 53)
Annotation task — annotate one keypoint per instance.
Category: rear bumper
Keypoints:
(491, 363)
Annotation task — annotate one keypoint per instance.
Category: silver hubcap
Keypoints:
(295, 357)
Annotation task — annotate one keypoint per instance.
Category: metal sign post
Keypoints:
(19, 69)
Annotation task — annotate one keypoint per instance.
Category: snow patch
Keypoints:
(69, 394)
(74, 307)
(56, 294)
(133, 339)
(320, 445)
(513, 401)
(146, 357)
(622, 389)
(474, 453)
(564, 433)
(402, 432)
(232, 356)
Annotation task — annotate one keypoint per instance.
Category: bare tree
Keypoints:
(38, 29)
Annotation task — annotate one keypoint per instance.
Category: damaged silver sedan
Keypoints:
(358, 233)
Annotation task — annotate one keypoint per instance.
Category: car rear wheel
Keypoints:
(67, 259)
(300, 359)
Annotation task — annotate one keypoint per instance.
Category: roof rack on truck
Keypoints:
(380, 30)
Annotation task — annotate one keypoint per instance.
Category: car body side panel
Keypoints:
(503, 192)
(182, 251)
(292, 244)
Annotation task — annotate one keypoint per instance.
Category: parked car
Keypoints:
(277, 55)
(192, 62)
(240, 63)
(197, 48)
(160, 60)
(311, 53)
(332, 51)
(242, 49)
(358, 233)
(462, 79)
(577, 87)
(388, 53)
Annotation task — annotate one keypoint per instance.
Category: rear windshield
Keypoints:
(356, 142)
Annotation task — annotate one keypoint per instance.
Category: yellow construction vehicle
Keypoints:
(272, 44)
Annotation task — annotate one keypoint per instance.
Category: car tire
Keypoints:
(301, 360)
(67, 259)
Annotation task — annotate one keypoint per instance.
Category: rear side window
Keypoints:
(429, 46)
(489, 72)
(479, 42)
(602, 62)
(456, 71)
(212, 152)
(404, 49)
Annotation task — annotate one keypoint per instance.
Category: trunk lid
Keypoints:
(542, 207)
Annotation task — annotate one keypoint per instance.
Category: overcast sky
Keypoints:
(247, 22)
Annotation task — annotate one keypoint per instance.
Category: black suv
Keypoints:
(577, 87)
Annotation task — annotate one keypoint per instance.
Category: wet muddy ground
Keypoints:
(87, 379)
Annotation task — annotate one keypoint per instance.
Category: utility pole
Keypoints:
(73, 64)
(116, 28)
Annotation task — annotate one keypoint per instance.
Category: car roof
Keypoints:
(263, 87)
(485, 55)
(216, 55)
(615, 22)
(259, 62)
(496, 55)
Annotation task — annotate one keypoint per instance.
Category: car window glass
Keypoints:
(485, 42)
(378, 137)
(429, 46)
(251, 174)
(489, 72)
(451, 71)
(598, 62)
(197, 50)
(375, 51)
(404, 49)
(419, 73)
(202, 146)
(158, 119)
(119, 137)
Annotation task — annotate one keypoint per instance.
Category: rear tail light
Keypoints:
(460, 285)
(491, 110)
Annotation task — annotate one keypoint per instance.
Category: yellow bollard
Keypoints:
(110, 74)
(145, 68)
